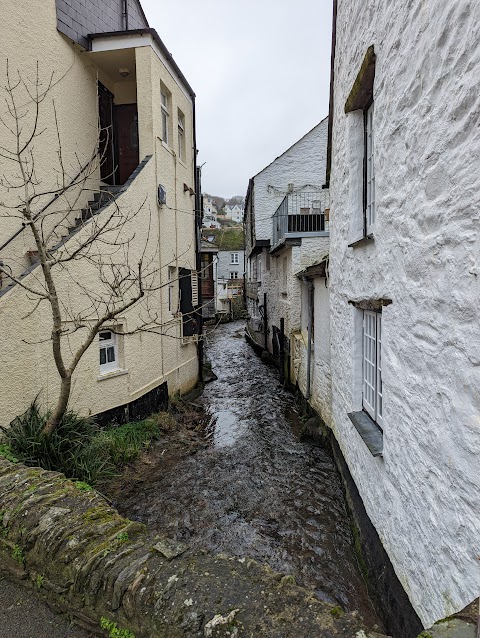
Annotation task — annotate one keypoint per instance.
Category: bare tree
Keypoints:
(118, 256)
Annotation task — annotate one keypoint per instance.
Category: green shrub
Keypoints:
(6, 452)
(69, 449)
(78, 447)
(113, 630)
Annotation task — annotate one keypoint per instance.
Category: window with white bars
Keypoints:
(234, 258)
(108, 351)
(194, 289)
(181, 135)
(372, 366)
(165, 104)
(369, 170)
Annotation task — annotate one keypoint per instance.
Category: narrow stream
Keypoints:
(257, 491)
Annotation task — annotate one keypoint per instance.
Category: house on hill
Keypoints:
(234, 212)
(114, 167)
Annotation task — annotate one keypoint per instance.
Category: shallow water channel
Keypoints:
(257, 490)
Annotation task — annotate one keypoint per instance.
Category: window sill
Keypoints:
(180, 161)
(369, 431)
(112, 373)
(363, 241)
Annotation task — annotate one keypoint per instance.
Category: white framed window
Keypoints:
(165, 99)
(369, 170)
(372, 366)
(181, 135)
(234, 258)
(108, 345)
(234, 275)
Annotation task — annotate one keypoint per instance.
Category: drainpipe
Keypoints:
(309, 336)
(282, 349)
(125, 14)
(197, 170)
(332, 97)
(265, 320)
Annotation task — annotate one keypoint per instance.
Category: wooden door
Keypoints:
(126, 126)
(106, 133)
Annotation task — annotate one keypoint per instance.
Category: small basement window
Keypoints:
(108, 345)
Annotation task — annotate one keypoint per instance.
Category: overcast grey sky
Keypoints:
(260, 70)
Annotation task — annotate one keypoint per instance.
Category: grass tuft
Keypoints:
(79, 447)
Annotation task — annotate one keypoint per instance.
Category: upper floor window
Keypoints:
(360, 101)
(181, 135)
(234, 258)
(369, 170)
(372, 394)
(165, 106)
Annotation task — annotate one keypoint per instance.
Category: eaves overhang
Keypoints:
(158, 41)
(259, 245)
(318, 269)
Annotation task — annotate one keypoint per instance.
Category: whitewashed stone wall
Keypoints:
(300, 168)
(424, 495)
(301, 164)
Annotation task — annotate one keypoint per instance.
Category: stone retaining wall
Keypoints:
(64, 540)
(88, 561)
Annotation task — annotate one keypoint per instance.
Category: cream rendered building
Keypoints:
(103, 65)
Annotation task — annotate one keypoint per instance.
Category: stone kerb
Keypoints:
(88, 561)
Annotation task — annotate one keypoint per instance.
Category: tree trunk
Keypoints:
(60, 408)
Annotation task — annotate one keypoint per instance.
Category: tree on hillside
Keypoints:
(90, 271)
(236, 199)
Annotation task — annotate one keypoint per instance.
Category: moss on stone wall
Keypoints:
(87, 560)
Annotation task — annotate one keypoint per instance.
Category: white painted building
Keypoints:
(287, 248)
(405, 285)
(209, 213)
(235, 212)
(229, 277)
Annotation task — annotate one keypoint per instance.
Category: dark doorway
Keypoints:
(186, 306)
(106, 142)
(126, 140)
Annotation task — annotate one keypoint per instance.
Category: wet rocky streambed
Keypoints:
(243, 484)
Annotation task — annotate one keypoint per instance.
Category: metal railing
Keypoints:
(299, 214)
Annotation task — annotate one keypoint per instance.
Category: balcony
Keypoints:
(300, 215)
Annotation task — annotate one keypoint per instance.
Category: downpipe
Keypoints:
(309, 337)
